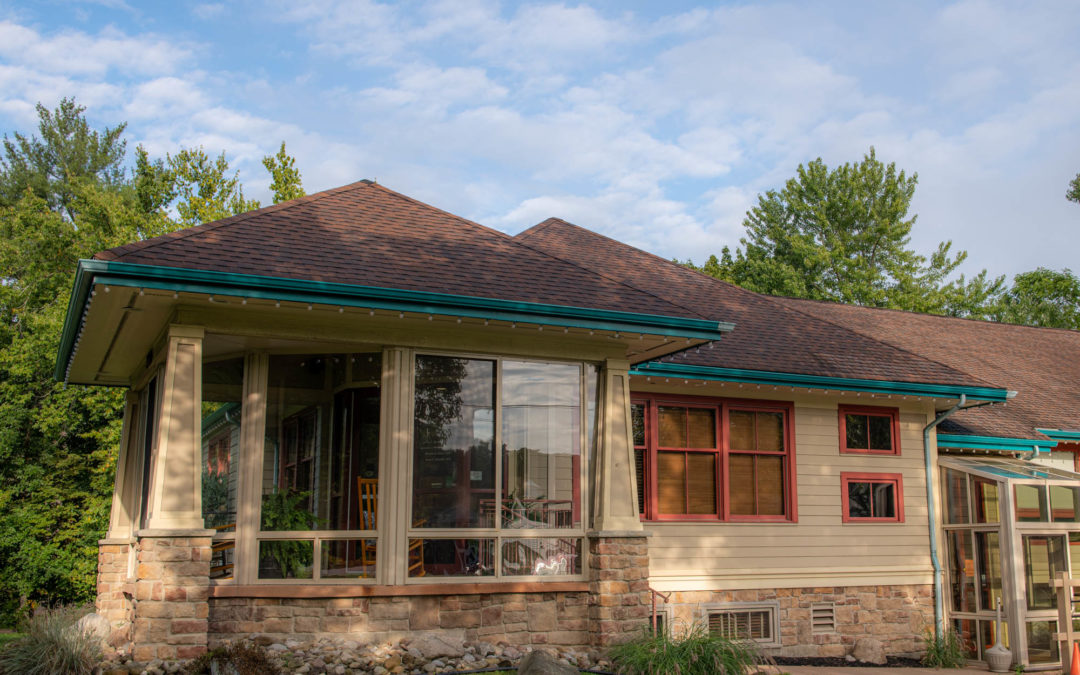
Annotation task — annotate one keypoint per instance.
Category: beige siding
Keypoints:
(819, 549)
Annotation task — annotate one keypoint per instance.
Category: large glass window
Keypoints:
(222, 385)
(532, 411)
(708, 458)
(320, 467)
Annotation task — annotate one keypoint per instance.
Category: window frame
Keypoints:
(870, 411)
(722, 406)
(897, 481)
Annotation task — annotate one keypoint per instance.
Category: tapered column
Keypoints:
(176, 488)
(615, 491)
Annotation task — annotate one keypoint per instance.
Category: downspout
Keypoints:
(931, 514)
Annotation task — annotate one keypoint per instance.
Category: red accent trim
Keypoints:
(723, 451)
(875, 411)
(316, 590)
(897, 481)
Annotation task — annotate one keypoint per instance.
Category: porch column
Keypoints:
(615, 493)
(172, 577)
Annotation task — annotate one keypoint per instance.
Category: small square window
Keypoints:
(872, 497)
(869, 430)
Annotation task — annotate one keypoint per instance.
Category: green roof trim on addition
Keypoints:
(1061, 435)
(184, 280)
(963, 441)
(681, 370)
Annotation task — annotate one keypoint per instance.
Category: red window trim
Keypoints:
(876, 411)
(722, 406)
(898, 489)
(217, 463)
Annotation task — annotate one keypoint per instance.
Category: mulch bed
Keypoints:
(838, 662)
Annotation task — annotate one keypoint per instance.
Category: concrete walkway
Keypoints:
(974, 669)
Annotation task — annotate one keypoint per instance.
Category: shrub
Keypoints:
(696, 652)
(944, 651)
(53, 645)
(244, 659)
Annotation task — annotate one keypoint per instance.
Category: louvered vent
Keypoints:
(743, 624)
(823, 618)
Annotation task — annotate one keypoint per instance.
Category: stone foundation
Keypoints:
(172, 582)
(115, 595)
(619, 589)
(896, 616)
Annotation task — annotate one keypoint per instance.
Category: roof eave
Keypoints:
(931, 390)
(970, 442)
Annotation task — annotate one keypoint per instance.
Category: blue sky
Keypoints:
(655, 123)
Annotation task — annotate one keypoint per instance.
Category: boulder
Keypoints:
(433, 646)
(542, 663)
(869, 650)
(95, 626)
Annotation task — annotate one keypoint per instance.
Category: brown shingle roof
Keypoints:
(768, 335)
(1041, 364)
(365, 234)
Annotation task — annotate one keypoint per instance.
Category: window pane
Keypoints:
(884, 500)
(987, 504)
(989, 569)
(1063, 503)
(1044, 557)
(1042, 647)
(702, 425)
(770, 486)
(639, 476)
(451, 557)
(541, 557)
(859, 503)
(541, 441)
(286, 559)
(741, 431)
(671, 426)
(741, 484)
(701, 482)
(856, 431)
(969, 639)
(880, 432)
(222, 384)
(351, 559)
(956, 496)
(671, 482)
(454, 456)
(321, 443)
(1030, 504)
(961, 570)
(770, 431)
(637, 419)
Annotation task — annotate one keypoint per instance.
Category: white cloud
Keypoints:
(208, 10)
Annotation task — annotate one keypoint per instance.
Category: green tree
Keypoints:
(1073, 193)
(204, 189)
(285, 177)
(843, 235)
(1043, 297)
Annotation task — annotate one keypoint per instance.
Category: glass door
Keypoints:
(1044, 558)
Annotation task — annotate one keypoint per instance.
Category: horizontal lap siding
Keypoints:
(819, 549)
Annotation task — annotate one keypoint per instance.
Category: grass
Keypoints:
(695, 652)
(944, 651)
(7, 638)
(52, 646)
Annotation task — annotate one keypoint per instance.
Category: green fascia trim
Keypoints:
(659, 369)
(994, 443)
(92, 272)
(218, 415)
(1060, 434)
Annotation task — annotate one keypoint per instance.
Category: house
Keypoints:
(434, 426)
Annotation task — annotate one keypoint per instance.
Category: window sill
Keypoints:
(371, 591)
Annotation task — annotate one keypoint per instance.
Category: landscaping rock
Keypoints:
(869, 650)
(94, 625)
(542, 663)
(433, 646)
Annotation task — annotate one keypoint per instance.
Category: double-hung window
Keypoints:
(713, 459)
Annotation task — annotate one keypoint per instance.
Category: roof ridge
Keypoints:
(943, 317)
(108, 254)
(891, 345)
(601, 274)
(413, 200)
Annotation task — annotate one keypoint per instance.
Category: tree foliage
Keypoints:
(843, 235)
(285, 178)
(1073, 194)
(65, 194)
(1043, 297)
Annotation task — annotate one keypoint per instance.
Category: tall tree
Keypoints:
(285, 178)
(204, 189)
(1043, 297)
(843, 234)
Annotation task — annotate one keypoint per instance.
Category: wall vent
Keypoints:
(823, 617)
(745, 621)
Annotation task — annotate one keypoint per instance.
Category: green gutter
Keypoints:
(1061, 435)
(91, 272)
(963, 441)
(682, 370)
